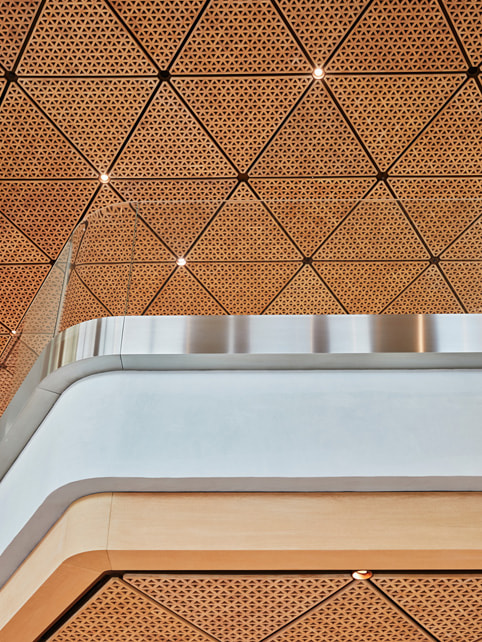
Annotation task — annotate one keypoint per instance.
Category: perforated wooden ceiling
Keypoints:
(278, 608)
(356, 193)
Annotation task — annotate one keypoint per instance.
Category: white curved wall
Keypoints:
(232, 430)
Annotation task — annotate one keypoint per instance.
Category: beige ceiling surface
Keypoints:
(278, 608)
(360, 192)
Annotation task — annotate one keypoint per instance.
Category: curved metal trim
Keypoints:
(234, 343)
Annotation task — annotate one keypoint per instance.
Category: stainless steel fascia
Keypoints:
(235, 343)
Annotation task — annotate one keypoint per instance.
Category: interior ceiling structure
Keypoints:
(357, 192)
(278, 608)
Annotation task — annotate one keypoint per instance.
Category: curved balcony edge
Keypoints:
(234, 343)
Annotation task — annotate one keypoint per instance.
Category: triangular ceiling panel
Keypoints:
(119, 610)
(305, 294)
(242, 113)
(240, 37)
(321, 24)
(176, 210)
(159, 25)
(96, 115)
(466, 277)
(106, 235)
(388, 111)
(80, 304)
(15, 20)
(244, 288)
(106, 197)
(367, 288)
(30, 147)
(376, 229)
(124, 288)
(148, 246)
(35, 342)
(315, 141)
(467, 18)
(4, 339)
(400, 35)
(42, 313)
(89, 40)
(468, 245)
(145, 280)
(169, 142)
(182, 294)
(46, 211)
(349, 615)
(310, 209)
(441, 208)
(109, 283)
(243, 230)
(429, 294)
(16, 247)
(18, 286)
(236, 609)
(117, 235)
(452, 144)
(449, 607)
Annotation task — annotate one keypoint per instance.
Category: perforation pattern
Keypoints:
(177, 210)
(468, 245)
(449, 607)
(305, 294)
(452, 144)
(244, 288)
(42, 313)
(376, 229)
(388, 111)
(17, 244)
(400, 35)
(240, 37)
(159, 25)
(19, 284)
(78, 106)
(21, 156)
(145, 281)
(117, 607)
(467, 17)
(108, 283)
(242, 113)
(316, 141)
(15, 19)
(90, 40)
(243, 231)
(234, 609)
(321, 25)
(428, 294)
(441, 208)
(45, 211)
(80, 304)
(356, 614)
(465, 277)
(169, 142)
(366, 288)
(184, 295)
(310, 209)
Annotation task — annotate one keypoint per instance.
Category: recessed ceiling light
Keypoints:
(362, 575)
(318, 73)
(14, 332)
(104, 178)
(181, 261)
